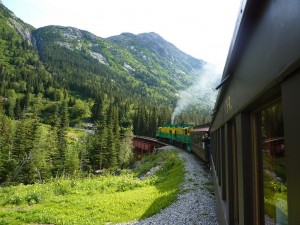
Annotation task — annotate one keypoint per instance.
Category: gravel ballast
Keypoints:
(196, 200)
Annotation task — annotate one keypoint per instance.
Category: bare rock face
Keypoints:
(99, 57)
(25, 33)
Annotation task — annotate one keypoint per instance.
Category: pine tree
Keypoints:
(101, 152)
(125, 156)
(143, 121)
(83, 154)
(24, 139)
(64, 115)
(71, 164)
(26, 100)
(111, 144)
(3, 82)
(116, 131)
(7, 163)
(153, 122)
(56, 118)
(17, 110)
(102, 134)
(56, 160)
(62, 133)
(96, 109)
(10, 103)
(3, 152)
(40, 163)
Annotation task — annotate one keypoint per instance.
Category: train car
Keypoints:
(255, 130)
(200, 142)
(175, 134)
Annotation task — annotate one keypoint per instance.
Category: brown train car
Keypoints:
(256, 174)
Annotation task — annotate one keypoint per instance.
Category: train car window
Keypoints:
(272, 149)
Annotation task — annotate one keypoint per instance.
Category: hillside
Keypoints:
(144, 65)
(180, 66)
(57, 82)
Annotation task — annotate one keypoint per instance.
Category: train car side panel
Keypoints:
(255, 128)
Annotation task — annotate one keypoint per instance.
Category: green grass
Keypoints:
(96, 199)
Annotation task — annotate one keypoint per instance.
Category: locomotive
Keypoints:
(186, 136)
(175, 134)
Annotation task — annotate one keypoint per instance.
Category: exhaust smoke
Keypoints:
(201, 92)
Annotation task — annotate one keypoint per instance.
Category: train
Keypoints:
(175, 134)
(255, 126)
(187, 136)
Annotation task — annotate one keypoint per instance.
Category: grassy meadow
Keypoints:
(101, 199)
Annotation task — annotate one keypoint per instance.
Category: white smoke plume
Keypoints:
(203, 89)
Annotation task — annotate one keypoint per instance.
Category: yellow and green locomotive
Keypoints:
(175, 134)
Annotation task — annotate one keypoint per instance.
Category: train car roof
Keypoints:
(201, 129)
(177, 125)
(264, 50)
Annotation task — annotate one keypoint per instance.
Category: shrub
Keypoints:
(33, 197)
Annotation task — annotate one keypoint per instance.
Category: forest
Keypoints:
(62, 112)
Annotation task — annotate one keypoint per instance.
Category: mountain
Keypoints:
(181, 66)
(144, 59)
(62, 62)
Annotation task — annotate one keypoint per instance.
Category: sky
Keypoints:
(200, 28)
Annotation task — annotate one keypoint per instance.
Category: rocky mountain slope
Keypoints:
(142, 67)
(144, 59)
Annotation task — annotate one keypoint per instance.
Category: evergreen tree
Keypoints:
(40, 163)
(62, 134)
(17, 110)
(96, 109)
(72, 164)
(56, 118)
(116, 132)
(26, 100)
(125, 156)
(7, 163)
(24, 139)
(64, 116)
(153, 122)
(54, 154)
(10, 103)
(83, 154)
(101, 135)
(111, 144)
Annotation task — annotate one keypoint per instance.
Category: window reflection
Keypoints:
(274, 169)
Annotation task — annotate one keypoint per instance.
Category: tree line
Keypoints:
(34, 152)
